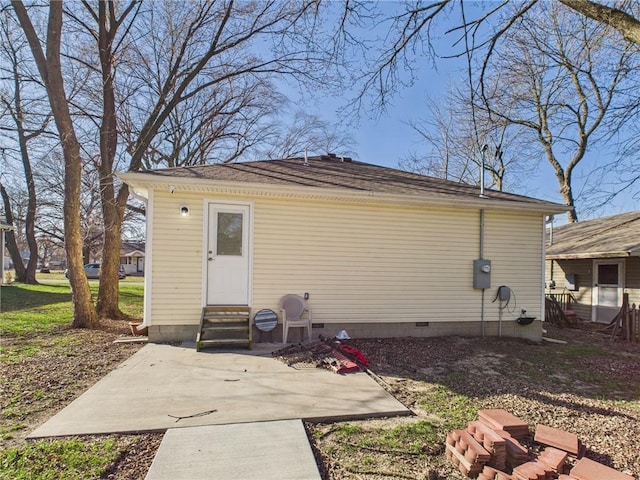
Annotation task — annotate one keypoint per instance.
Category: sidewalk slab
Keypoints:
(164, 386)
(276, 450)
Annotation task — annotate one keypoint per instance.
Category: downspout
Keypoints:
(481, 258)
(147, 276)
(483, 150)
(543, 303)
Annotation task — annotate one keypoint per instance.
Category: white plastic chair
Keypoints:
(293, 308)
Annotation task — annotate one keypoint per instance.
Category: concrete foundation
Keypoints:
(509, 328)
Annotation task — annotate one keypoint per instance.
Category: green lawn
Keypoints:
(34, 334)
(37, 309)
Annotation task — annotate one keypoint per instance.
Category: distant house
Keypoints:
(4, 227)
(379, 252)
(132, 257)
(596, 261)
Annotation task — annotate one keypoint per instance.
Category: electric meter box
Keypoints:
(482, 274)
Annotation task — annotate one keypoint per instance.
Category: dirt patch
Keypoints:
(42, 374)
(589, 386)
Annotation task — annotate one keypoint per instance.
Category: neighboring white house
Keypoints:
(4, 227)
(380, 252)
(132, 257)
(596, 262)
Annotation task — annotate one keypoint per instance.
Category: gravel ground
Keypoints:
(589, 386)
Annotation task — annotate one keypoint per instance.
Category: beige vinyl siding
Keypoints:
(366, 263)
(582, 269)
(513, 243)
(177, 259)
(359, 263)
(632, 286)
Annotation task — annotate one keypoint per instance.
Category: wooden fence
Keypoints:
(627, 322)
(564, 300)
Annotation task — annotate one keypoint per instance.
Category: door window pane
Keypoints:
(608, 274)
(229, 239)
(608, 297)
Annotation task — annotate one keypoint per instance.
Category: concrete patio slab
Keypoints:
(163, 386)
(267, 450)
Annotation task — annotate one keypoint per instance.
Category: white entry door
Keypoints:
(228, 255)
(608, 281)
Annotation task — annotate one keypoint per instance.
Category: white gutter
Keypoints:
(146, 181)
(142, 194)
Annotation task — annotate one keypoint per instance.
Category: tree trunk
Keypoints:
(84, 313)
(567, 195)
(112, 213)
(626, 24)
(108, 292)
(10, 236)
(30, 221)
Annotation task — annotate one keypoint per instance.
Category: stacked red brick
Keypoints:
(561, 439)
(500, 419)
(492, 444)
(549, 463)
(512, 430)
(490, 473)
(466, 453)
(489, 444)
(555, 458)
(587, 469)
(533, 470)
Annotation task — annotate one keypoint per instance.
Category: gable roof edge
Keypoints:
(142, 182)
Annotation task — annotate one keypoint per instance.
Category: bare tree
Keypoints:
(306, 133)
(28, 123)
(50, 178)
(49, 66)
(451, 145)
(182, 54)
(558, 77)
(481, 32)
(213, 126)
(616, 17)
(412, 26)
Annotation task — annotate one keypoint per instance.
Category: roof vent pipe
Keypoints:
(483, 150)
(306, 159)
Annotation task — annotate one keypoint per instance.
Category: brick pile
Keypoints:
(466, 453)
(587, 469)
(561, 439)
(500, 419)
(533, 470)
(490, 441)
(491, 445)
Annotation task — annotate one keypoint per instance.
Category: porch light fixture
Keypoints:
(184, 211)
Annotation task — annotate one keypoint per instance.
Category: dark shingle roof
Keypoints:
(613, 236)
(127, 248)
(332, 172)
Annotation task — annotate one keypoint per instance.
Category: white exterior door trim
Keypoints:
(596, 290)
(207, 204)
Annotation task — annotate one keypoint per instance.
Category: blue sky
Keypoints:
(384, 139)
